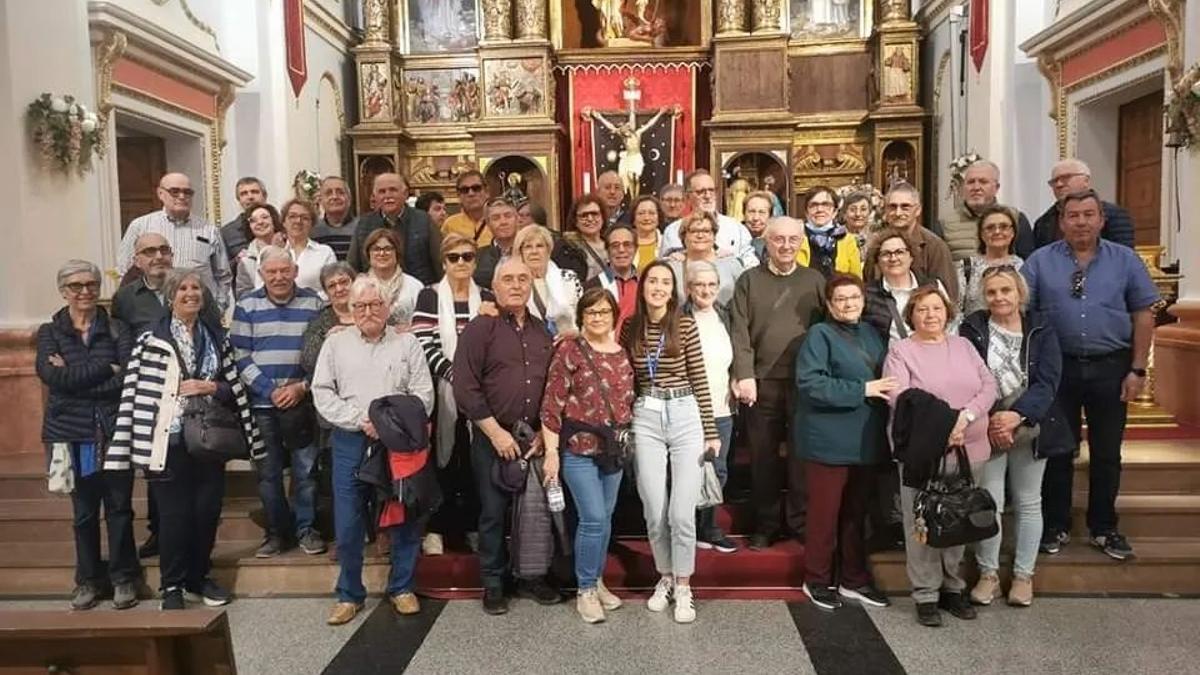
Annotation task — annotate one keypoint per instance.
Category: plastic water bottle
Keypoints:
(554, 497)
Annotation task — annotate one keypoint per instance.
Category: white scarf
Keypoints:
(447, 416)
(558, 306)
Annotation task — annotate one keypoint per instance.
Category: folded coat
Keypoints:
(920, 430)
(412, 489)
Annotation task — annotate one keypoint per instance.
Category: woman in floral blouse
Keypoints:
(589, 393)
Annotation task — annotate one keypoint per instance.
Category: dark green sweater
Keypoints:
(768, 317)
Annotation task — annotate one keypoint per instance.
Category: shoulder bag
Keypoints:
(619, 453)
(211, 430)
(951, 510)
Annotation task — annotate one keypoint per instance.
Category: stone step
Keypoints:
(23, 476)
(32, 520)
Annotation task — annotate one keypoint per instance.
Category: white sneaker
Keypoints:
(685, 607)
(432, 544)
(607, 599)
(588, 606)
(662, 595)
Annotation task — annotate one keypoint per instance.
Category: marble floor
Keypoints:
(1056, 635)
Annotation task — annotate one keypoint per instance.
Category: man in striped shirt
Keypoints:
(195, 243)
(335, 229)
(267, 338)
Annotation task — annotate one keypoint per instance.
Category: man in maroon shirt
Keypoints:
(499, 373)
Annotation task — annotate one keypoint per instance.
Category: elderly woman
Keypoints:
(310, 257)
(555, 290)
(856, 218)
(948, 368)
(888, 296)
(827, 247)
(712, 322)
(1025, 427)
(589, 394)
(698, 232)
(336, 278)
(585, 230)
(839, 432)
(181, 363)
(673, 430)
(357, 366)
(997, 234)
(262, 228)
(382, 249)
(648, 222)
(442, 311)
(80, 353)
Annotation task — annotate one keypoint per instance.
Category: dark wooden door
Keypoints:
(141, 163)
(1139, 164)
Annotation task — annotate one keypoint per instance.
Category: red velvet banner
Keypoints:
(979, 32)
(601, 90)
(293, 35)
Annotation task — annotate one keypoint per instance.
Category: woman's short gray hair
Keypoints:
(335, 268)
(366, 282)
(698, 267)
(175, 278)
(76, 266)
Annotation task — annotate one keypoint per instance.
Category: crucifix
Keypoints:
(631, 163)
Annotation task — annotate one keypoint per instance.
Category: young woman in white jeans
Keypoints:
(673, 427)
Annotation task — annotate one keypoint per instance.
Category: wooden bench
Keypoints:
(109, 642)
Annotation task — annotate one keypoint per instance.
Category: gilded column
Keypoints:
(731, 17)
(375, 16)
(767, 15)
(893, 11)
(530, 19)
(497, 20)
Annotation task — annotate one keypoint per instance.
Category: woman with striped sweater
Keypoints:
(179, 358)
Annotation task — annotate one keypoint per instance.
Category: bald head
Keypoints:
(175, 193)
(512, 283)
(1069, 176)
(784, 237)
(153, 256)
(389, 191)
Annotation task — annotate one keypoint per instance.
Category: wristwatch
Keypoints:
(1140, 372)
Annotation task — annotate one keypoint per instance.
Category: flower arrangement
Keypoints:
(67, 133)
(1182, 109)
(958, 167)
(306, 184)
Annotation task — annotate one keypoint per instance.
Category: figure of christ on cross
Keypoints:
(631, 163)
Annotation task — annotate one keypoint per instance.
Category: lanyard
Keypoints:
(652, 358)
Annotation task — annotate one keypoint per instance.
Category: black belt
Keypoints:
(1115, 355)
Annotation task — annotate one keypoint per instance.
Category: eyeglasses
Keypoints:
(1077, 280)
(78, 287)
(180, 192)
(164, 250)
(587, 214)
(597, 313)
(374, 305)
(1063, 178)
(474, 187)
(337, 282)
(901, 207)
(455, 258)
(701, 230)
(383, 249)
(997, 227)
(894, 253)
(846, 299)
(299, 216)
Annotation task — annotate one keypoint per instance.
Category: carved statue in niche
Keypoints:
(895, 10)
(375, 15)
(376, 97)
(630, 23)
(516, 190)
(899, 164)
(631, 163)
(897, 74)
(731, 16)
(735, 198)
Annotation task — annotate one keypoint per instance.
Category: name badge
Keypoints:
(652, 404)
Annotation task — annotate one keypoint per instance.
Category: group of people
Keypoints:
(852, 362)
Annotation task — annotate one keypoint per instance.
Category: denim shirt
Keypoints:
(1115, 284)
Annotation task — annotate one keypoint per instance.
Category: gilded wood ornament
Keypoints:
(530, 19)
(895, 11)
(768, 16)
(731, 17)
(497, 20)
(375, 20)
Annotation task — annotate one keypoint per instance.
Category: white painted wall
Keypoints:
(1188, 238)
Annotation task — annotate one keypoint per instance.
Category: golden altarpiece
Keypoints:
(544, 95)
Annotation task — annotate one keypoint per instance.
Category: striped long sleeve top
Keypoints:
(425, 328)
(683, 370)
(268, 339)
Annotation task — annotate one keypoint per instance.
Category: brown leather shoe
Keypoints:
(405, 603)
(343, 612)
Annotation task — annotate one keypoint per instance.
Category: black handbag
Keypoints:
(619, 452)
(952, 510)
(213, 432)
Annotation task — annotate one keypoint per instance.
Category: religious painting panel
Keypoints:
(632, 23)
(829, 83)
(375, 87)
(515, 87)
(821, 20)
(442, 25)
(897, 74)
(747, 172)
(441, 96)
(518, 179)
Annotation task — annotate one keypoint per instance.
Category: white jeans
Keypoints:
(673, 435)
(1024, 474)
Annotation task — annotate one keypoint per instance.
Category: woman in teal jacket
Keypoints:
(839, 431)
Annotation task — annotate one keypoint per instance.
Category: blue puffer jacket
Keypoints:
(84, 393)
(1042, 361)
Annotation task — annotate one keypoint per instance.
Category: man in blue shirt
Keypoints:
(1099, 298)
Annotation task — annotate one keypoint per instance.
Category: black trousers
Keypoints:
(1090, 386)
(460, 509)
(113, 490)
(493, 511)
(189, 493)
(767, 424)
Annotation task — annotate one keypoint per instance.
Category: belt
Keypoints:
(1115, 355)
(668, 394)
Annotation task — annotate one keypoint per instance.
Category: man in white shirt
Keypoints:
(733, 239)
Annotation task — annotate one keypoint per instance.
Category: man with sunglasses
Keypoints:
(1100, 300)
(733, 239)
(196, 244)
(472, 196)
(1072, 175)
(422, 242)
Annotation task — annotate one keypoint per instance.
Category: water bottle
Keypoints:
(554, 497)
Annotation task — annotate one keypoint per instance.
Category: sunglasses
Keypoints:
(180, 192)
(164, 250)
(587, 214)
(1077, 280)
(455, 258)
(464, 189)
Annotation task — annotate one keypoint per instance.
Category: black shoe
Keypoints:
(957, 605)
(719, 543)
(759, 542)
(211, 595)
(1052, 542)
(539, 591)
(494, 602)
(1114, 545)
(928, 614)
(149, 549)
(271, 547)
(822, 596)
(867, 595)
(172, 599)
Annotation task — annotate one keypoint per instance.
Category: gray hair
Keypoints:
(366, 282)
(270, 253)
(530, 234)
(669, 188)
(775, 223)
(698, 267)
(175, 279)
(1072, 165)
(76, 266)
(904, 187)
(335, 268)
(984, 163)
(507, 261)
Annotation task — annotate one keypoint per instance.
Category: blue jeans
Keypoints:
(1024, 474)
(283, 520)
(706, 519)
(350, 524)
(595, 496)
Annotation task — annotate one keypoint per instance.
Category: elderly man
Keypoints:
(1069, 176)
(733, 239)
(346, 381)
(1099, 298)
(335, 229)
(499, 374)
(620, 277)
(981, 182)
(758, 212)
(473, 197)
(611, 191)
(267, 338)
(196, 244)
(932, 258)
(249, 192)
(422, 241)
(773, 306)
(139, 303)
(673, 201)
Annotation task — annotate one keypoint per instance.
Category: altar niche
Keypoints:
(638, 24)
(748, 172)
(518, 179)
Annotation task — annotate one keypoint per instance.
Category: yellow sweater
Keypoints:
(461, 223)
(846, 258)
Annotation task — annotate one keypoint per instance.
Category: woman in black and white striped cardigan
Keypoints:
(180, 357)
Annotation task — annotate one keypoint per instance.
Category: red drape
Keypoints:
(293, 35)
(979, 32)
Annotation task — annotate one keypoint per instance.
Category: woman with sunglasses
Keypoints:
(585, 231)
(442, 311)
(383, 252)
(996, 230)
